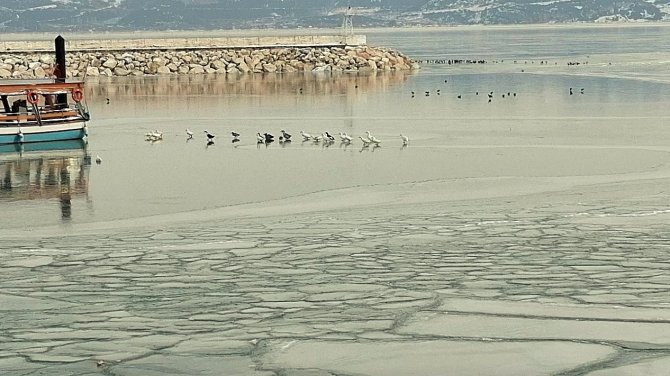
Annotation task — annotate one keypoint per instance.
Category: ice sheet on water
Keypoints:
(649, 367)
(30, 261)
(548, 310)
(479, 326)
(209, 344)
(433, 357)
(24, 303)
(203, 365)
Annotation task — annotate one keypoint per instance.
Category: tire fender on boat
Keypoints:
(77, 95)
(32, 97)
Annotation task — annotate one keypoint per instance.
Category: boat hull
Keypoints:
(35, 133)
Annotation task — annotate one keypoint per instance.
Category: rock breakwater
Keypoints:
(229, 61)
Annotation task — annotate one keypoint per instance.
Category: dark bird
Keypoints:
(210, 136)
(268, 137)
(581, 91)
(98, 160)
(329, 136)
(286, 136)
(107, 100)
(235, 134)
(459, 96)
(234, 140)
(570, 91)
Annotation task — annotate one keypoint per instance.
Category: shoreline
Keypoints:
(386, 197)
(319, 31)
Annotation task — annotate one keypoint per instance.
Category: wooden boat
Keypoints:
(42, 111)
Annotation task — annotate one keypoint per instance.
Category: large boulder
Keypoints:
(39, 72)
(163, 70)
(243, 67)
(217, 64)
(270, 68)
(120, 71)
(197, 69)
(111, 63)
(92, 71)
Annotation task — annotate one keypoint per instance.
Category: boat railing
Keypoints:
(26, 105)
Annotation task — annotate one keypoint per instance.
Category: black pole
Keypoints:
(59, 70)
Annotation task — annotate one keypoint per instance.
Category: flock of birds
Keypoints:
(490, 94)
(267, 138)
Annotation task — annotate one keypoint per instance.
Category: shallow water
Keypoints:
(527, 235)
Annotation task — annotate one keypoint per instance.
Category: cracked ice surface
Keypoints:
(513, 286)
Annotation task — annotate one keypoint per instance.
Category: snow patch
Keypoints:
(44, 7)
(550, 2)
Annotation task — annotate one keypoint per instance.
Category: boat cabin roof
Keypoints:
(15, 88)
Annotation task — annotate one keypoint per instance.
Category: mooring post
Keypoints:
(59, 70)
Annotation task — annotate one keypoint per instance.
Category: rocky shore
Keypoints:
(208, 61)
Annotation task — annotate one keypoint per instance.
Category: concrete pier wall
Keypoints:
(87, 45)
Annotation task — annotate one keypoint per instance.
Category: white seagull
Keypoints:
(305, 136)
(405, 139)
(98, 160)
(366, 141)
(154, 135)
(372, 138)
(189, 133)
(260, 138)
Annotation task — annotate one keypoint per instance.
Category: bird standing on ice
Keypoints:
(405, 139)
(365, 141)
(373, 139)
(305, 136)
(189, 133)
(210, 137)
(98, 160)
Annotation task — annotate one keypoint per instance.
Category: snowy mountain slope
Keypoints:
(85, 15)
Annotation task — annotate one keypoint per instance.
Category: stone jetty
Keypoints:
(230, 56)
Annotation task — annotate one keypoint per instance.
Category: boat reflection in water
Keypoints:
(45, 171)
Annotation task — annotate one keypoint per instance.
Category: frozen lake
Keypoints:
(525, 235)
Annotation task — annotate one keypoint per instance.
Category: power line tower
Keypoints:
(347, 22)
